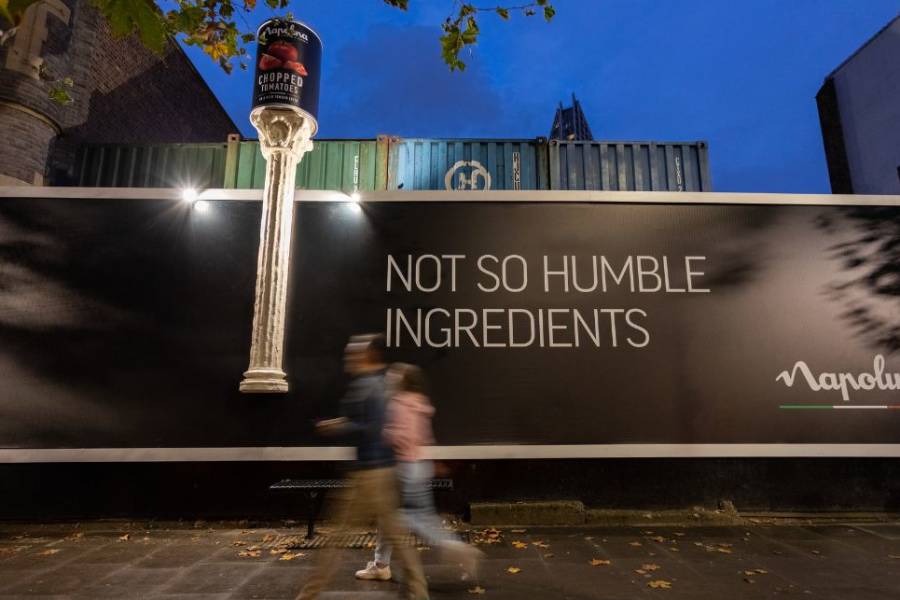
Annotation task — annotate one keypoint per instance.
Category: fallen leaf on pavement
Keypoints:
(513, 570)
(658, 538)
(291, 555)
(249, 553)
(519, 545)
(268, 537)
(277, 550)
(517, 530)
(650, 567)
(476, 590)
(540, 544)
(238, 543)
(486, 536)
(125, 538)
(659, 584)
(548, 555)
(635, 544)
(598, 562)
(724, 550)
(49, 552)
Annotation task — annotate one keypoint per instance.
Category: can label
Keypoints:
(288, 66)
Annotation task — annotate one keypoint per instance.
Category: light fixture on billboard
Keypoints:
(189, 195)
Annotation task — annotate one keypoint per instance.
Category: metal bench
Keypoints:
(315, 488)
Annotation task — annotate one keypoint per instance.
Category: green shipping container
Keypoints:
(345, 165)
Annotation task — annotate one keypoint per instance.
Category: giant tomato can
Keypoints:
(288, 66)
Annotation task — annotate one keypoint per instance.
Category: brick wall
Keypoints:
(24, 144)
(123, 93)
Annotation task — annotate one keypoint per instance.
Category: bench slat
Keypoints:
(332, 484)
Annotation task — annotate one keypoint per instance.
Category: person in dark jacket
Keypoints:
(373, 493)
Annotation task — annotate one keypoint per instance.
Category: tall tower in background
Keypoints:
(570, 123)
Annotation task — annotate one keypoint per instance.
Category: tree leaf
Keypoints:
(12, 11)
(150, 25)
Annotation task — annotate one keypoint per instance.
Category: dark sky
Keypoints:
(740, 75)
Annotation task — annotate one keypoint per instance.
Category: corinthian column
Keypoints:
(284, 136)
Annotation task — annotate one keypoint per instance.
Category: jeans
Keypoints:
(418, 508)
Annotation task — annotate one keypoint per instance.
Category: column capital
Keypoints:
(282, 130)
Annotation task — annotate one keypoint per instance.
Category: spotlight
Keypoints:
(201, 206)
(189, 195)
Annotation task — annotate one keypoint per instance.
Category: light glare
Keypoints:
(201, 206)
(355, 196)
(189, 195)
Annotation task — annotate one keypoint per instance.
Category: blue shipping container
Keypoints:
(424, 164)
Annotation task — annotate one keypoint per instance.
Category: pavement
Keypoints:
(95, 560)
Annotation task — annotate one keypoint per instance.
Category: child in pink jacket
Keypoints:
(408, 429)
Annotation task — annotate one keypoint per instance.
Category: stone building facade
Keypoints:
(123, 93)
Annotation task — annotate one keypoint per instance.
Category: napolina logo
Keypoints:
(283, 30)
(844, 382)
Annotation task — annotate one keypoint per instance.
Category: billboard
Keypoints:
(550, 324)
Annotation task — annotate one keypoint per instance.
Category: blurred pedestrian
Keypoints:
(373, 492)
(408, 430)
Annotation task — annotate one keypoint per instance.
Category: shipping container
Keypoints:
(633, 166)
(438, 164)
(392, 163)
(346, 165)
(150, 165)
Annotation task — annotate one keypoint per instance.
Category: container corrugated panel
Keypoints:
(633, 166)
(439, 164)
(157, 165)
(345, 165)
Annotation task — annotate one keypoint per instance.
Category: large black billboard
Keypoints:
(125, 323)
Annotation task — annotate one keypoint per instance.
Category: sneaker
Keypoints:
(374, 572)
